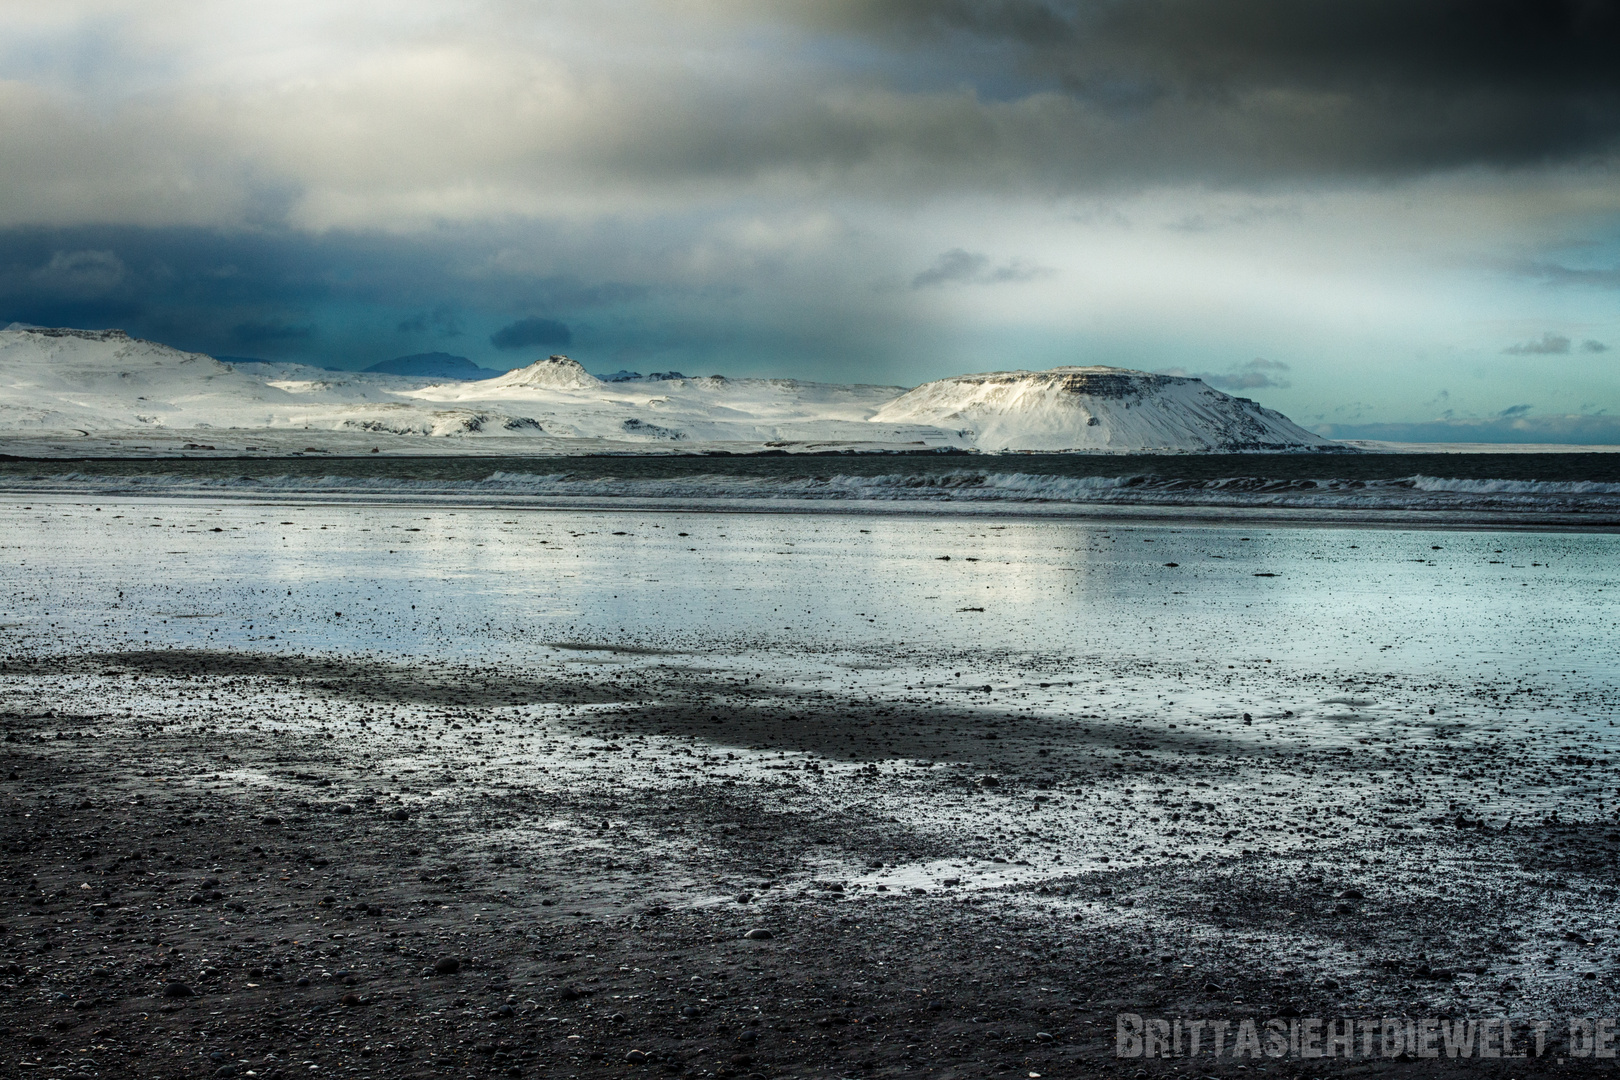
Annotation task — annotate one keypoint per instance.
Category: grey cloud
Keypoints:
(93, 271)
(569, 161)
(1257, 374)
(954, 265)
(1556, 274)
(1020, 96)
(1248, 215)
(1591, 346)
(1574, 429)
(1549, 344)
(531, 331)
(1514, 410)
(1019, 270)
(971, 268)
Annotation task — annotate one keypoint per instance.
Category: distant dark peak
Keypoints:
(434, 365)
(636, 376)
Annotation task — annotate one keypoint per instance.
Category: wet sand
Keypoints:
(980, 804)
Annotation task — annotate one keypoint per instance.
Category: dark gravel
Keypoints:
(190, 899)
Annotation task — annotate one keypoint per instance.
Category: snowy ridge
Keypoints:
(94, 380)
(977, 487)
(104, 382)
(1098, 408)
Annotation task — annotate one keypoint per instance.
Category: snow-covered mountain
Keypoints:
(552, 373)
(106, 384)
(1096, 408)
(100, 379)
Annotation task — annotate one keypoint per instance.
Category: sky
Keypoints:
(1385, 218)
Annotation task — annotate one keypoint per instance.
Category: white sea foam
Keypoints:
(978, 487)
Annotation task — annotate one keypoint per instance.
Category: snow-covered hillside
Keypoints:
(1096, 408)
(99, 381)
(92, 380)
(566, 401)
(104, 383)
(552, 373)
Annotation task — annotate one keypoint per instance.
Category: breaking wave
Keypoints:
(961, 486)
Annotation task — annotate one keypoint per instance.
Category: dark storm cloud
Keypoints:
(815, 99)
(1591, 346)
(339, 299)
(1548, 344)
(84, 272)
(1277, 84)
(1210, 175)
(531, 331)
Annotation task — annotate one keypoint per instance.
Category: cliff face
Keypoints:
(1096, 408)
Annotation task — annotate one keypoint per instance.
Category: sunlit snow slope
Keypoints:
(104, 382)
(1097, 408)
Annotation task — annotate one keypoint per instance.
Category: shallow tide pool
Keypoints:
(808, 590)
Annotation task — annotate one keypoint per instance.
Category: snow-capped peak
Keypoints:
(555, 372)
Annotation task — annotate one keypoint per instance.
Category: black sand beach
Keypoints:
(503, 852)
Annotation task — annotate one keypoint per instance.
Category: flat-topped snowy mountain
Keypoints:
(104, 383)
(1097, 408)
